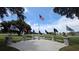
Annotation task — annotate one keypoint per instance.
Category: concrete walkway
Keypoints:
(38, 45)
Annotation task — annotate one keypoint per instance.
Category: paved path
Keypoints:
(38, 45)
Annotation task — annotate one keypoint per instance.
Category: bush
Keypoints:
(59, 38)
(48, 36)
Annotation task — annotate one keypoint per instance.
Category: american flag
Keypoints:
(41, 17)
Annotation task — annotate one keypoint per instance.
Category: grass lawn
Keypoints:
(70, 48)
(7, 48)
(15, 38)
(73, 40)
(73, 44)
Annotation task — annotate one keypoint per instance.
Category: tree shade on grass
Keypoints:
(7, 48)
(4, 47)
(70, 48)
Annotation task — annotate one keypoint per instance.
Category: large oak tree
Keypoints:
(5, 11)
(69, 12)
(20, 24)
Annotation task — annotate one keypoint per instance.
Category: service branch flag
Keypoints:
(41, 17)
(69, 29)
(55, 30)
(12, 27)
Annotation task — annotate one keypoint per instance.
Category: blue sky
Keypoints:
(47, 12)
(51, 19)
(32, 15)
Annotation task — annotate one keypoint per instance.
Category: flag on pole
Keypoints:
(46, 31)
(25, 29)
(41, 17)
(12, 27)
(40, 32)
(69, 29)
(55, 30)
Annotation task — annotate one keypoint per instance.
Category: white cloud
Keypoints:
(25, 10)
(73, 23)
(60, 25)
(0, 20)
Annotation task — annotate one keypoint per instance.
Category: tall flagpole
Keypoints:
(38, 30)
(66, 28)
(42, 18)
(66, 39)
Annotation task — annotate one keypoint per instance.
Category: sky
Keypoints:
(51, 20)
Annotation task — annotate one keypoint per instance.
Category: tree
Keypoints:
(20, 24)
(19, 11)
(5, 25)
(69, 12)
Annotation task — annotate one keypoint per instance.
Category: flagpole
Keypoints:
(38, 29)
(66, 29)
(41, 18)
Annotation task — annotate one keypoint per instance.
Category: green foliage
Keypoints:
(59, 38)
(67, 11)
(19, 11)
(47, 36)
(71, 33)
(20, 24)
